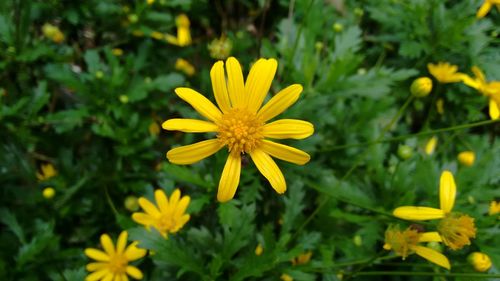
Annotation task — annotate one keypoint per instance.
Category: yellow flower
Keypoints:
(456, 229)
(184, 66)
(157, 35)
(486, 7)
(488, 89)
(466, 158)
(112, 264)
(405, 243)
(421, 87)
(241, 126)
(494, 208)
(53, 32)
(286, 277)
(430, 146)
(259, 250)
(117, 52)
(220, 48)
(48, 192)
(168, 216)
(445, 72)
(150, 2)
(302, 258)
(480, 261)
(183, 37)
(47, 171)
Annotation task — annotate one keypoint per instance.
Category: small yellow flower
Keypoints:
(47, 171)
(53, 32)
(286, 277)
(480, 261)
(466, 158)
(240, 124)
(302, 258)
(430, 146)
(154, 128)
(456, 229)
(488, 89)
(421, 87)
(494, 208)
(184, 66)
(440, 106)
(259, 250)
(117, 52)
(168, 216)
(48, 192)
(405, 243)
(486, 7)
(183, 37)
(445, 72)
(112, 263)
(220, 48)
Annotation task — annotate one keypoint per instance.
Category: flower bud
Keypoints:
(358, 241)
(48, 192)
(99, 74)
(338, 27)
(421, 87)
(466, 158)
(480, 261)
(123, 98)
(431, 145)
(117, 52)
(405, 152)
(259, 250)
(131, 203)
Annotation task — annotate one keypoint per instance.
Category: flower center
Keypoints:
(117, 264)
(401, 242)
(240, 130)
(456, 230)
(166, 223)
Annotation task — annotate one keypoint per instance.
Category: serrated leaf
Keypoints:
(9, 219)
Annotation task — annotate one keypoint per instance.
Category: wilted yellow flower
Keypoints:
(259, 250)
(183, 37)
(168, 216)
(154, 128)
(286, 277)
(184, 66)
(488, 89)
(220, 48)
(456, 229)
(440, 106)
(480, 261)
(112, 264)
(53, 32)
(430, 146)
(47, 171)
(48, 192)
(302, 258)
(421, 87)
(466, 158)
(445, 72)
(406, 242)
(494, 208)
(117, 52)
(486, 7)
(131, 203)
(240, 124)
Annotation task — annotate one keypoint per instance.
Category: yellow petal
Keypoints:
(479, 74)
(133, 253)
(108, 277)
(259, 82)
(288, 129)
(143, 219)
(123, 277)
(230, 178)
(134, 272)
(494, 110)
(447, 191)
(280, 102)
(432, 256)
(418, 213)
(171, 39)
(182, 206)
(107, 244)
(97, 255)
(95, 266)
(122, 242)
(161, 200)
(183, 36)
(193, 153)
(148, 207)
(430, 237)
(200, 103)
(285, 152)
(268, 168)
(471, 82)
(189, 125)
(235, 85)
(180, 223)
(484, 9)
(219, 86)
(98, 275)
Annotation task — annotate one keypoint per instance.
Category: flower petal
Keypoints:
(219, 86)
(430, 237)
(133, 253)
(447, 191)
(285, 152)
(494, 109)
(235, 85)
(134, 272)
(144, 219)
(95, 266)
(97, 255)
(230, 178)
(484, 9)
(200, 103)
(280, 102)
(182, 206)
(259, 82)
(108, 277)
(123, 277)
(148, 207)
(180, 223)
(418, 213)
(288, 129)
(479, 74)
(189, 125)
(107, 244)
(122, 242)
(268, 168)
(97, 275)
(193, 153)
(174, 199)
(432, 256)
(161, 200)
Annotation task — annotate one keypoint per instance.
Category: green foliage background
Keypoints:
(87, 111)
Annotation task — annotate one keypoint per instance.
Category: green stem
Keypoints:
(110, 202)
(299, 33)
(438, 274)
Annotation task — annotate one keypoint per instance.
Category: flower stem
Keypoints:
(437, 274)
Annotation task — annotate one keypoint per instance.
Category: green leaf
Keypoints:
(165, 83)
(9, 219)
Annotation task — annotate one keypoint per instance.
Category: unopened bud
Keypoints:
(421, 87)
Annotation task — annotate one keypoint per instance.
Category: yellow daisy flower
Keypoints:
(47, 171)
(456, 229)
(240, 124)
(445, 72)
(168, 216)
(488, 89)
(183, 37)
(486, 7)
(112, 264)
(406, 242)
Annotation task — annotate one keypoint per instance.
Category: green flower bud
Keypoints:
(421, 87)
(405, 152)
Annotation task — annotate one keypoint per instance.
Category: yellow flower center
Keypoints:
(240, 130)
(117, 264)
(401, 242)
(456, 230)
